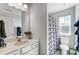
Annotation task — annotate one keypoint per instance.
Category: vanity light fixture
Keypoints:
(20, 6)
(25, 6)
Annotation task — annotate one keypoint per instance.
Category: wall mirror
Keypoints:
(12, 18)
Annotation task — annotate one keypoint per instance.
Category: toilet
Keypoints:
(64, 45)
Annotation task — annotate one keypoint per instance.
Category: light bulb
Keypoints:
(25, 6)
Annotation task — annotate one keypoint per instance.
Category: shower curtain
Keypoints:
(53, 40)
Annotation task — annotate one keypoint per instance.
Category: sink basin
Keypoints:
(20, 43)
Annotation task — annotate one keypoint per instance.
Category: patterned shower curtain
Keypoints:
(53, 40)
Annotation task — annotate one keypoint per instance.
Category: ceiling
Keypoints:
(55, 7)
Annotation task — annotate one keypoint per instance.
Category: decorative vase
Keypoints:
(29, 35)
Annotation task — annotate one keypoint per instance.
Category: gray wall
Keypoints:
(38, 24)
(70, 11)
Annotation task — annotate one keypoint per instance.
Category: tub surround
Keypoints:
(15, 45)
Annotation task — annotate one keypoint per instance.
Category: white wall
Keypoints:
(38, 24)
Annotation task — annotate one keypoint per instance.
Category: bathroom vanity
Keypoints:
(25, 47)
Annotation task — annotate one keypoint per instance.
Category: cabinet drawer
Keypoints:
(34, 45)
(32, 52)
(16, 52)
(25, 49)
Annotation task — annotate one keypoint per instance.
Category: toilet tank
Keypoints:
(64, 40)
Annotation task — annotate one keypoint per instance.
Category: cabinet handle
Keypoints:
(32, 46)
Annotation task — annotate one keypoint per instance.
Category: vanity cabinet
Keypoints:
(32, 49)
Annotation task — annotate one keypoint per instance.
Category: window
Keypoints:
(65, 25)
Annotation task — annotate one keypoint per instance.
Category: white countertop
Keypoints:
(11, 45)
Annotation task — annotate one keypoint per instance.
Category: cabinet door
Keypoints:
(16, 52)
(32, 52)
(25, 49)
